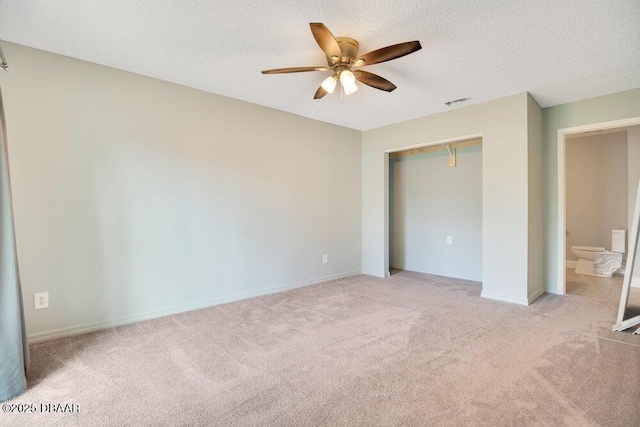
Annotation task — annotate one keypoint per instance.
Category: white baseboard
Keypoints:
(635, 282)
(570, 264)
(520, 301)
(553, 289)
(534, 296)
(96, 326)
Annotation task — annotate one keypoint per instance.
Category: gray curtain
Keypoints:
(14, 351)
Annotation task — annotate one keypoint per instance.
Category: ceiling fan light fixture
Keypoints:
(348, 82)
(329, 84)
(342, 54)
(348, 90)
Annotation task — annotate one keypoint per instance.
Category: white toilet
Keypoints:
(595, 261)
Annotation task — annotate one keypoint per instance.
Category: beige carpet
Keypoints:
(412, 349)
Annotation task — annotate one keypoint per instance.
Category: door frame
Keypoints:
(561, 238)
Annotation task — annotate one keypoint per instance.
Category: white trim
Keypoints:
(635, 282)
(570, 264)
(632, 121)
(534, 296)
(562, 220)
(520, 301)
(96, 326)
(562, 217)
(553, 289)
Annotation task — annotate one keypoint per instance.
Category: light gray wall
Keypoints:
(429, 201)
(506, 247)
(136, 198)
(616, 106)
(596, 189)
(633, 148)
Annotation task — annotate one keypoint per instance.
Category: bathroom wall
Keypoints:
(596, 189)
(633, 147)
(428, 201)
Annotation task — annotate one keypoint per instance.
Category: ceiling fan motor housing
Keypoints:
(349, 48)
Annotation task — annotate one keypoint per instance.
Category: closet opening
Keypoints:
(435, 210)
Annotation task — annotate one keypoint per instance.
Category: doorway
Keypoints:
(564, 235)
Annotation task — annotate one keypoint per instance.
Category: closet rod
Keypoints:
(433, 148)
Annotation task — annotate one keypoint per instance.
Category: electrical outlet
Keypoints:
(325, 259)
(40, 300)
(449, 240)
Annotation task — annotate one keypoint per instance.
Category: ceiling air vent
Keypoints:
(456, 101)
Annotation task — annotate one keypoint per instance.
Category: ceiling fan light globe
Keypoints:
(348, 81)
(347, 78)
(350, 88)
(329, 84)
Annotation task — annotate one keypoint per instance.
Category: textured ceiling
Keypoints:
(558, 50)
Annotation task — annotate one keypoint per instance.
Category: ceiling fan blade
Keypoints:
(374, 80)
(294, 70)
(325, 40)
(320, 93)
(388, 53)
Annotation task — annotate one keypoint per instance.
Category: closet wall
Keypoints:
(428, 201)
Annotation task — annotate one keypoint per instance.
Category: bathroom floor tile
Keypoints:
(614, 295)
(604, 288)
(591, 291)
(607, 288)
(634, 296)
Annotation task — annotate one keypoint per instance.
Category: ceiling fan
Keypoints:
(342, 56)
